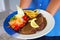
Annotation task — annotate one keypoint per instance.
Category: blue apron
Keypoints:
(42, 4)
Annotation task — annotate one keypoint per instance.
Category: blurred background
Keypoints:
(8, 4)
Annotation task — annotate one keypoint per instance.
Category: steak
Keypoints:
(41, 21)
(27, 29)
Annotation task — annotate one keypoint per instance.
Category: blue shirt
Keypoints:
(42, 4)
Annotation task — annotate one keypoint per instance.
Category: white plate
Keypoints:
(47, 29)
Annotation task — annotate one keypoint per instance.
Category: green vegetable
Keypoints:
(13, 18)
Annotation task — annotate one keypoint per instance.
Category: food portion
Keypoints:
(33, 23)
(30, 13)
(27, 21)
(41, 21)
(27, 29)
(19, 20)
(20, 12)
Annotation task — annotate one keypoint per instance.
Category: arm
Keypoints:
(53, 6)
(25, 3)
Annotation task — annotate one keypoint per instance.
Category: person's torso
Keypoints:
(39, 4)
